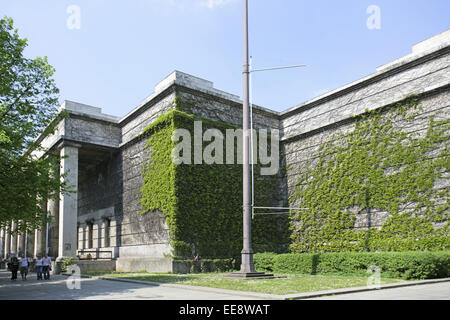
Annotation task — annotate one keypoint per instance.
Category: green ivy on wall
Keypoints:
(202, 203)
(378, 165)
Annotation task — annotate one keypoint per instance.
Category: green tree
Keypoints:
(28, 102)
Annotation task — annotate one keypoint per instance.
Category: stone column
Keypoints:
(97, 230)
(113, 232)
(43, 239)
(53, 227)
(114, 236)
(89, 235)
(30, 244)
(36, 243)
(105, 233)
(20, 243)
(81, 236)
(39, 241)
(68, 205)
(7, 246)
(13, 238)
(2, 242)
(21, 238)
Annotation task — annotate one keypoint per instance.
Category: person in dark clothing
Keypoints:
(14, 267)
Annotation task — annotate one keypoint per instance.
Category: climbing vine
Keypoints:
(203, 203)
(379, 166)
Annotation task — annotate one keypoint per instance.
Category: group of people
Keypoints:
(42, 266)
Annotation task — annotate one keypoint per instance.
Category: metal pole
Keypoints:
(252, 162)
(247, 265)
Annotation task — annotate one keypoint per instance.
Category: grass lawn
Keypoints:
(294, 283)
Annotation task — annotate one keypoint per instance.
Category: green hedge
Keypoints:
(407, 265)
(204, 265)
(264, 261)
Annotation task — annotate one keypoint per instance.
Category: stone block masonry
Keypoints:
(106, 154)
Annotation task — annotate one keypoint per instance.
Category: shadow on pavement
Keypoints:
(61, 287)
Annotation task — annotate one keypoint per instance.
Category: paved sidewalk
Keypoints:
(99, 289)
(432, 291)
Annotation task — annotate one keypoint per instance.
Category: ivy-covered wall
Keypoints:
(391, 161)
(203, 203)
(309, 132)
(372, 185)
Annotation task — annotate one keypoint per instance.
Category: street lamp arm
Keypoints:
(278, 68)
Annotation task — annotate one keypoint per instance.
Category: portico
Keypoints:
(84, 140)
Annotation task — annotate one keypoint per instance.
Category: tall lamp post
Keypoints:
(247, 267)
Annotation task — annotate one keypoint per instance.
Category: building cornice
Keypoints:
(364, 82)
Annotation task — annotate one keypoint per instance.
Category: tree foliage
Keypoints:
(28, 100)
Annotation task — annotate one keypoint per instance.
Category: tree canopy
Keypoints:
(28, 108)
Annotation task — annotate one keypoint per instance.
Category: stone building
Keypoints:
(106, 155)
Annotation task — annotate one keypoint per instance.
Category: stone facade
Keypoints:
(106, 154)
(425, 73)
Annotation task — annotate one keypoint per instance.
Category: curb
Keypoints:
(199, 288)
(295, 296)
(83, 276)
(307, 295)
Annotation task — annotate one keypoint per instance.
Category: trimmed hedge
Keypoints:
(264, 261)
(204, 265)
(407, 265)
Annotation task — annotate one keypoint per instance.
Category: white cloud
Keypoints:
(185, 4)
(211, 4)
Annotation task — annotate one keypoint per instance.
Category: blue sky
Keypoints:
(124, 48)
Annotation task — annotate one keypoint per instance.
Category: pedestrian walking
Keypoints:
(46, 265)
(39, 261)
(14, 267)
(24, 267)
